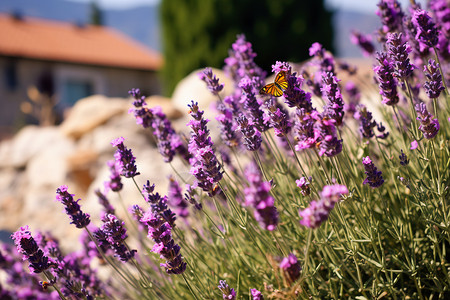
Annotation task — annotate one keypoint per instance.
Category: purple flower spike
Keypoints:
(211, 81)
(364, 42)
(115, 183)
(204, 164)
(143, 115)
(161, 233)
(115, 234)
(391, 17)
(304, 129)
(251, 104)
(257, 195)
(124, 158)
(158, 204)
(374, 178)
(278, 118)
(428, 125)
(388, 85)
(228, 293)
(303, 184)
(367, 124)
(227, 127)
(433, 86)
(399, 50)
(325, 134)
(291, 268)
(404, 161)
(334, 109)
(27, 246)
(252, 137)
(296, 97)
(104, 201)
(176, 199)
(73, 209)
(256, 295)
(318, 210)
(426, 30)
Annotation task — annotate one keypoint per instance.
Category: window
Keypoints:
(74, 90)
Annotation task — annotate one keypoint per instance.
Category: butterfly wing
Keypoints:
(281, 81)
(268, 89)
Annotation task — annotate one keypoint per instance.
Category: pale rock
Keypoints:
(88, 113)
(12, 186)
(193, 88)
(166, 105)
(30, 141)
(48, 168)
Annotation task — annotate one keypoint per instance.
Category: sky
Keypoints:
(359, 5)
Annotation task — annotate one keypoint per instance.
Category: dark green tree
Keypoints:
(95, 14)
(198, 33)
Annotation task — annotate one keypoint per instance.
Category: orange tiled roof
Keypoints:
(59, 41)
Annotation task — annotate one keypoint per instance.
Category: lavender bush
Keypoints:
(295, 199)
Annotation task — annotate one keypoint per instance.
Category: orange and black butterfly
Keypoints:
(277, 87)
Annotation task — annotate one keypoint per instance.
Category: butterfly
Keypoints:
(277, 87)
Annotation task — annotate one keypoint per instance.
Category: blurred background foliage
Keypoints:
(197, 33)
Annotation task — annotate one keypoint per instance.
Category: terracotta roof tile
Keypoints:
(59, 41)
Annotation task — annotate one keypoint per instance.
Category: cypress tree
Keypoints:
(198, 33)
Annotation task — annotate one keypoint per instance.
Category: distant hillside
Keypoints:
(142, 23)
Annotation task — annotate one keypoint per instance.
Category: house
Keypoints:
(67, 62)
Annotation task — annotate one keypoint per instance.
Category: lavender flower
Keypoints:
(79, 219)
(318, 210)
(115, 183)
(204, 164)
(103, 200)
(322, 58)
(325, 134)
(433, 86)
(304, 129)
(353, 95)
(381, 129)
(256, 295)
(363, 41)
(240, 62)
(391, 16)
(143, 115)
(257, 195)
(428, 125)
(296, 97)
(115, 234)
(399, 50)
(291, 268)
(251, 104)
(278, 118)
(169, 142)
(124, 158)
(160, 232)
(427, 33)
(388, 85)
(304, 185)
(227, 127)
(176, 200)
(404, 161)
(367, 124)
(190, 196)
(252, 137)
(228, 293)
(374, 178)
(27, 246)
(158, 204)
(334, 109)
(441, 9)
(211, 81)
